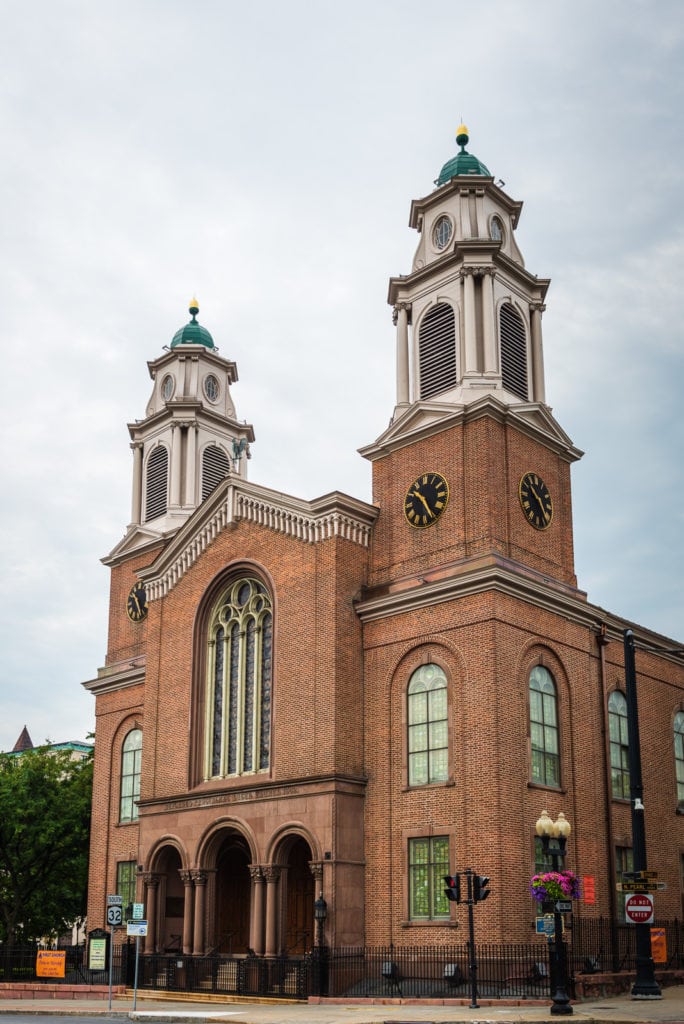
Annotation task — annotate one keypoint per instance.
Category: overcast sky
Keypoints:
(264, 156)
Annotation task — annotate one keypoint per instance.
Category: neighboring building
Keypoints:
(78, 748)
(350, 698)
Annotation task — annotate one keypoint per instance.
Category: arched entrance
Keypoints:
(171, 902)
(233, 891)
(299, 897)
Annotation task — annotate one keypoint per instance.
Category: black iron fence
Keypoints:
(503, 971)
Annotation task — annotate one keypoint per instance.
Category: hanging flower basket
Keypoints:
(555, 885)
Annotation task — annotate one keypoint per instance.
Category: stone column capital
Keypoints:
(151, 879)
(316, 869)
(272, 872)
(199, 877)
(256, 872)
(186, 876)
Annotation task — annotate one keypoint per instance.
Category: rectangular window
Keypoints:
(125, 881)
(542, 861)
(624, 861)
(428, 864)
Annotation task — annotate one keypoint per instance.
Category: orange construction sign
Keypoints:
(658, 946)
(50, 963)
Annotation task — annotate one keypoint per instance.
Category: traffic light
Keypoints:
(453, 890)
(480, 890)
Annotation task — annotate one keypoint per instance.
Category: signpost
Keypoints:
(136, 928)
(114, 920)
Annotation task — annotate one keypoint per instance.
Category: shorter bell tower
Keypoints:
(190, 438)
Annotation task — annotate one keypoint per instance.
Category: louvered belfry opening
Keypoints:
(215, 468)
(157, 479)
(513, 351)
(437, 351)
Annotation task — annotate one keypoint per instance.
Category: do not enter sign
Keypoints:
(639, 908)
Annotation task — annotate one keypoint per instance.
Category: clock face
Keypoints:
(426, 499)
(136, 603)
(535, 501)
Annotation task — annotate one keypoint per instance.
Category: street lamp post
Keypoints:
(320, 914)
(554, 837)
(645, 985)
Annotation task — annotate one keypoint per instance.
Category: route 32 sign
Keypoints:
(639, 908)
(114, 917)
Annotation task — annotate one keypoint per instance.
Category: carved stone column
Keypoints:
(136, 503)
(188, 909)
(151, 889)
(401, 311)
(469, 324)
(536, 310)
(176, 443)
(257, 923)
(491, 363)
(191, 496)
(272, 874)
(200, 879)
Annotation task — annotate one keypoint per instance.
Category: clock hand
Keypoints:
(417, 494)
(135, 598)
(539, 501)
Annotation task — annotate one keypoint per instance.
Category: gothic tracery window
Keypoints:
(238, 706)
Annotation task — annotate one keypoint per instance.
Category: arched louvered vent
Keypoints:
(437, 351)
(215, 467)
(157, 478)
(513, 351)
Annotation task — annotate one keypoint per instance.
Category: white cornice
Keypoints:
(311, 522)
(117, 677)
(502, 576)
(425, 419)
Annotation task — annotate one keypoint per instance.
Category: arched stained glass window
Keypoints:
(239, 681)
(544, 728)
(619, 744)
(131, 758)
(428, 734)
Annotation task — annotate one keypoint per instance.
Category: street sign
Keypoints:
(136, 928)
(639, 908)
(564, 906)
(115, 901)
(138, 911)
(114, 916)
(644, 886)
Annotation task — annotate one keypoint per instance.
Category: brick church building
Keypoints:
(350, 699)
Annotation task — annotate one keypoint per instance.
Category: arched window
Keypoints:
(428, 735)
(437, 351)
(544, 728)
(679, 754)
(240, 641)
(131, 756)
(215, 467)
(157, 479)
(513, 351)
(619, 744)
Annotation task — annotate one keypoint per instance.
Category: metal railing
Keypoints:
(503, 970)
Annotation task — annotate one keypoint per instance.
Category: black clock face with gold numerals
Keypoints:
(535, 501)
(136, 603)
(426, 500)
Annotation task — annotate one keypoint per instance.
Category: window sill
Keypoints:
(547, 788)
(437, 922)
(428, 785)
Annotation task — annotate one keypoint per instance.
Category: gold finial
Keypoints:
(462, 136)
(462, 129)
(194, 307)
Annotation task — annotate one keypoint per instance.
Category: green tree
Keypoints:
(44, 838)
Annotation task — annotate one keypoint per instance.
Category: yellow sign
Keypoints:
(50, 963)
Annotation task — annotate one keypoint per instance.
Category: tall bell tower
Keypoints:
(473, 464)
(190, 438)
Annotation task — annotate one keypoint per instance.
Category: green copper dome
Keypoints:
(193, 333)
(463, 162)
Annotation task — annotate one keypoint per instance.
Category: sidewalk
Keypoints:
(618, 1010)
